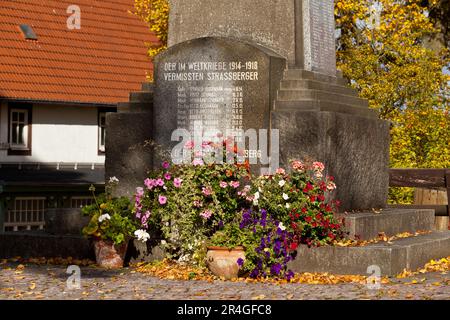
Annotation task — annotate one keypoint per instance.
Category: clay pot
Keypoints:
(223, 261)
(109, 255)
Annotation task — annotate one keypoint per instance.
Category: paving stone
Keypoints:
(123, 284)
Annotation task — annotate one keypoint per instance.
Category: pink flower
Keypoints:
(145, 218)
(206, 214)
(162, 200)
(177, 182)
(206, 144)
(167, 176)
(160, 182)
(139, 192)
(318, 166)
(235, 184)
(149, 183)
(331, 186)
(298, 165)
(281, 171)
(198, 162)
(207, 191)
(165, 165)
(223, 184)
(189, 145)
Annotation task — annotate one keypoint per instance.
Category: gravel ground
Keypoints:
(46, 282)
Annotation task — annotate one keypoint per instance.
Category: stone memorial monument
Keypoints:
(263, 65)
(270, 66)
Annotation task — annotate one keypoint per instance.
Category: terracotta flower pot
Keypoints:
(109, 255)
(223, 262)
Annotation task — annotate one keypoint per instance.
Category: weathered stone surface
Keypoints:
(367, 225)
(128, 152)
(224, 84)
(354, 149)
(45, 245)
(302, 31)
(410, 253)
(317, 29)
(145, 252)
(270, 23)
(65, 221)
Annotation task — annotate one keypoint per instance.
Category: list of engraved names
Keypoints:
(211, 92)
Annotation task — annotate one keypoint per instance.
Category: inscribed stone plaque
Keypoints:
(318, 31)
(223, 84)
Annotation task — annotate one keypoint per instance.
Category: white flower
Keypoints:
(256, 196)
(288, 205)
(142, 235)
(281, 226)
(104, 217)
(113, 180)
(282, 183)
(285, 196)
(163, 242)
(255, 202)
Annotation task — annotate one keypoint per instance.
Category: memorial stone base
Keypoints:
(321, 118)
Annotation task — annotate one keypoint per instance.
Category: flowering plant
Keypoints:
(267, 244)
(188, 203)
(111, 218)
(301, 200)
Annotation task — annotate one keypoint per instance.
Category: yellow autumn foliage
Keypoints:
(385, 54)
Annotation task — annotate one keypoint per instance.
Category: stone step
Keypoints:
(134, 107)
(317, 85)
(306, 94)
(367, 225)
(317, 105)
(141, 96)
(299, 74)
(392, 258)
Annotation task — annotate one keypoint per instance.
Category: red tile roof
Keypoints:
(100, 63)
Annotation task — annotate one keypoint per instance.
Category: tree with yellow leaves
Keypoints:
(382, 48)
(156, 14)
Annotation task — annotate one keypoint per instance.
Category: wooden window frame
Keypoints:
(27, 151)
(102, 111)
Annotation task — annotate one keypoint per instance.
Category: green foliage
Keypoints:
(188, 203)
(111, 219)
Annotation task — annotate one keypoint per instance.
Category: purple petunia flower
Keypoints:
(276, 269)
(240, 262)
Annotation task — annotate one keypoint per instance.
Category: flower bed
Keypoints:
(199, 204)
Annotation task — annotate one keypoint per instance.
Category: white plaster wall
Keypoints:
(60, 134)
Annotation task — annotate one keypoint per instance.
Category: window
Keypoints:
(19, 135)
(80, 202)
(25, 213)
(19, 129)
(28, 32)
(101, 131)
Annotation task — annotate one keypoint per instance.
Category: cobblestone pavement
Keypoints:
(49, 282)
